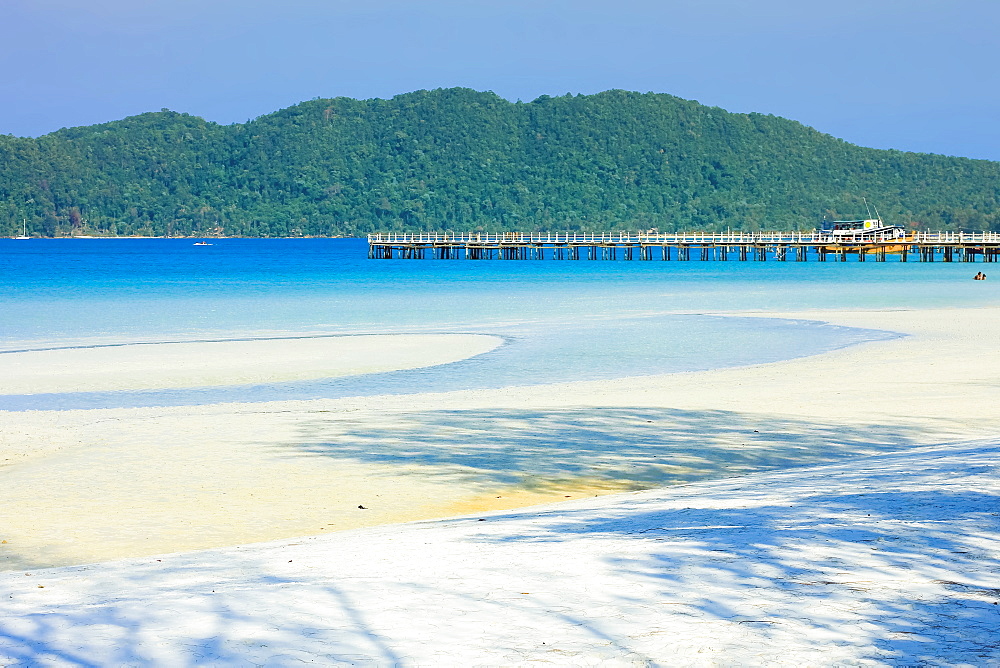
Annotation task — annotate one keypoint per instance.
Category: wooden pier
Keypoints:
(743, 246)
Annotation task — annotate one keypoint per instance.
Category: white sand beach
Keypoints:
(839, 508)
(885, 560)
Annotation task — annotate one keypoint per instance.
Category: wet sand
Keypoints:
(145, 366)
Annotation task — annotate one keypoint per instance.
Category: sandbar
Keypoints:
(146, 366)
(95, 485)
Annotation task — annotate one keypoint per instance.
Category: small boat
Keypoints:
(201, 243)
(24, 229)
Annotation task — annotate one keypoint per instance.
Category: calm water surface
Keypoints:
(562, 320)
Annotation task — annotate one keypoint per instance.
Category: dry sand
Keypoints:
(81, 486)
(889, 560)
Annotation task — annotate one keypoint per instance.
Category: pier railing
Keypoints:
(954, 237)
(724, 238)
(926, 246)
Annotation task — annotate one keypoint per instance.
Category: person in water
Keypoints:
(979, 277)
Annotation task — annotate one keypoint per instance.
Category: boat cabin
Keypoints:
(868, 227)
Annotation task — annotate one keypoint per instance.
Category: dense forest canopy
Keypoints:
(459, 160)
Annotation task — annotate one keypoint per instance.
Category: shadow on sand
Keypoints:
(887, 561)
(896, 559)
(626, 448)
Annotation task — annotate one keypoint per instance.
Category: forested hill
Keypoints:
(457, 159)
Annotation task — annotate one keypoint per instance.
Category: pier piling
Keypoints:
(758, 246)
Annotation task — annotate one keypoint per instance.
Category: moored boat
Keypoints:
(869, 229)
(865, 230)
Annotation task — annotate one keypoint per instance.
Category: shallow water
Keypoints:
(562, 320)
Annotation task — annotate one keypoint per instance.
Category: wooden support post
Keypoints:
(946, 247)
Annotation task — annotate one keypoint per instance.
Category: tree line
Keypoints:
(461, 160)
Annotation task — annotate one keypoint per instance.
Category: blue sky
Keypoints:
(916, 75)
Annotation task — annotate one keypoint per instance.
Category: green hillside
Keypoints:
(457, 159)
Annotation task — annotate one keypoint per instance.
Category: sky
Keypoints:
(914, 75)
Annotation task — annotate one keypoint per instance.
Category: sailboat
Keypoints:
(24, 229)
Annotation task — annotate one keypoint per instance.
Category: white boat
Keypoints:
(24, 229)
(201, 243)
(867, 229)
(857, 230)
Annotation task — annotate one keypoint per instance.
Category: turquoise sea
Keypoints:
(561, 320)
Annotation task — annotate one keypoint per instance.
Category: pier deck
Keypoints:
(759, 246)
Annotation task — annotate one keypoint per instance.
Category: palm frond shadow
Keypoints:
(897, 557)
(629, 447)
